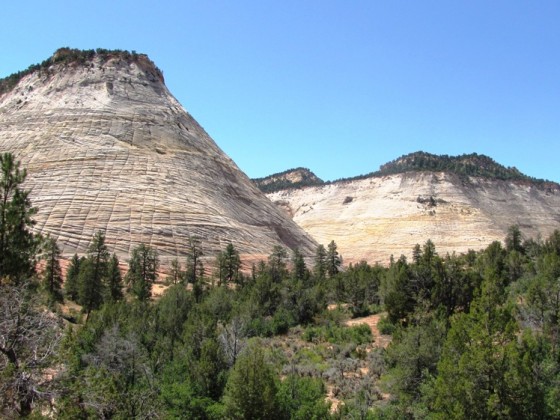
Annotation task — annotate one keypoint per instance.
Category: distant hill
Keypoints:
(465, 165)
(292, 178)
(460, 202)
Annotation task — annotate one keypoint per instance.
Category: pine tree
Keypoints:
(176, 275)
(142, 272)
(71, 285)
(320, 268)
(472, 380)
(194, 262)
(114, 280)
(93, 272)
(52, 275)
(18, 245)
(277, 263)
(229, 264)
(299, 271)
(334, 260)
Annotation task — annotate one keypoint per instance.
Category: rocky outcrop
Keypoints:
(376, 217)
(108, 147)
(292, 178)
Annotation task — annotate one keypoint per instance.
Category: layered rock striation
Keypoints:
(375, 217)
(107, 147)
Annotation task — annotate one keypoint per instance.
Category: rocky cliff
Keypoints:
(108, 147)
(376, 216)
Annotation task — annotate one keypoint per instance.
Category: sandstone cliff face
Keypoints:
(375, 218)
(107, 147)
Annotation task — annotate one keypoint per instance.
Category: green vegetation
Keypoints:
(473, 335)
(70, 56)
(281, 181)
(465, 165)
(468, 164)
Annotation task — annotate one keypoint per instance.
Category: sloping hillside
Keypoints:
(388, 212)
(107, 147)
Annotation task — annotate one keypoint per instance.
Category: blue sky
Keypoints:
(340, 87)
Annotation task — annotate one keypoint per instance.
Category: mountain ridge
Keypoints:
(73, 56)
(375, 218)
(465, 165)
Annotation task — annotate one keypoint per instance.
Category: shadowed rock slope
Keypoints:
(387, 212)
(108, 147)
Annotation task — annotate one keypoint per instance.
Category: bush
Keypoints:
(334, 334)
(385, 326)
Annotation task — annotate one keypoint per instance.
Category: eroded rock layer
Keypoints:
(374, 218)
(107, 147)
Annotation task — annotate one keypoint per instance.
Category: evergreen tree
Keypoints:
(413, 357)
(361, 286)
(229, 264)
(334, 260)
(320, 268)
(52, 275)
(299, 270)
(18, 246)
(277, 264)
(396, 291)
(114, 280)
(176, 275)
(90, 293)
(303, 398)
(194, 261)
(514, 239)
(251, 387)
(142, 272)
(472, 373)
(93, 272)
(71, 285)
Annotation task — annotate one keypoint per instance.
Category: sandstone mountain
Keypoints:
(107, 147)
(460, 203)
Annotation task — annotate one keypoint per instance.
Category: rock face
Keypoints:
(380, 216)
(107, 147)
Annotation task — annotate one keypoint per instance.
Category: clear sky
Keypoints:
(340, 87)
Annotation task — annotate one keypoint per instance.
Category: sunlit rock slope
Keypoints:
(374, 217)
(107, 147)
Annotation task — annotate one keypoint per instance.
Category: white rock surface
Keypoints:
(108, 147)
(372, 219)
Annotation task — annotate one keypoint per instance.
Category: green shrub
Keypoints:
(335, 334)
(385, 326)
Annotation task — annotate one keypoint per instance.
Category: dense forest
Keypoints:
(467, 164)
(474, 335)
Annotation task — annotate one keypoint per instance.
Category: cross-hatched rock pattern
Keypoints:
(107, 147)
(373, 218)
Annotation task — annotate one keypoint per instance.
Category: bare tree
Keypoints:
(29, 338)
(233, 338)
(119, 380)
